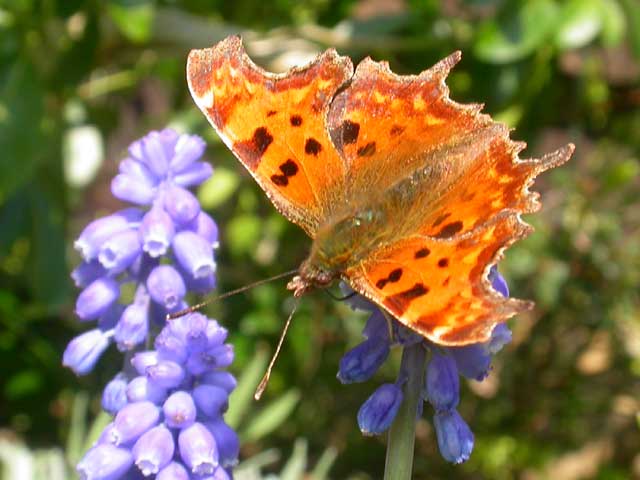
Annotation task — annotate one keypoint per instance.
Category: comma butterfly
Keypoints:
(408, 196)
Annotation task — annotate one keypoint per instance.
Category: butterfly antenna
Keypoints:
(198, 306)
(265, 379)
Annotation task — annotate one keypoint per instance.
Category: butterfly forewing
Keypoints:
(275, 124)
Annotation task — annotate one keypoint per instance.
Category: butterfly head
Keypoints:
(310, 276)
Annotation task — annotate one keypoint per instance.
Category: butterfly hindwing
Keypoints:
(440, 288)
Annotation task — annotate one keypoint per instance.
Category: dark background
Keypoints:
(80, 80)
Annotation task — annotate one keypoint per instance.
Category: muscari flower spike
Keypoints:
(442, 377)
(168, 404)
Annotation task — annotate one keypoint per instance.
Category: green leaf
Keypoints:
(580, 21)
(324, 464)
(242, 396)
(21, 115)
(272, 416)
(47, 268)
(614, 24)
(134, 18)
(632, 12)
(518, 32)
(297, 463)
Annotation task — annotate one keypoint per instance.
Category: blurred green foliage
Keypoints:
(79, 80)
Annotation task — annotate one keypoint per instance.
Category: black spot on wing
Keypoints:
(312, 147)
(450, 229)
(280, 180)
(289, 168)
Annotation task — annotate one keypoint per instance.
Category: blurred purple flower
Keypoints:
(168, 406)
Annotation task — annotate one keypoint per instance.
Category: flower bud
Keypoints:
(143, 360)
(473, 361)
(194, 254)
(227, 442)
(220, 379)
(188, 149)
(166, 374)
(442, 386)
(181, 204)
(114, 395)
(87, 272)
(97, 232)
(166, 287)
(362, 361)
(132, 189)
(211, 401)
(133, 326)
(198, 449)
(96, 299)
(498, 282)
(120, 251)
(377, 414)
(173, 471)
(157, 150)
(132, 421)
(500, 336)
(455, 439)
(141, 388)
(156, 231)
(204, 226)
(153, 450)
(179, 410)
(194, 174)
(105, 462)
(83, 352)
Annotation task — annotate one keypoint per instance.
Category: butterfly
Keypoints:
(408, 196)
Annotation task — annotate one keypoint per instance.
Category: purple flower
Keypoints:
(179, 410)
(198, 449)
(105, 462)
(377, 414)
(133, 420)
(362, 361)
(441, 381)
(442, 385)
(165, 250)
(194, 253)
(166, 286)
(153, 450)
(83, 352)
(96, 299)
(455, 439)
(114, 395)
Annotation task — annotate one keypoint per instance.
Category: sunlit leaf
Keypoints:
(134, 18)
(517, 32)
(579, 23)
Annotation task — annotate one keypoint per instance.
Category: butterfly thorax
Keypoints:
(340, 244)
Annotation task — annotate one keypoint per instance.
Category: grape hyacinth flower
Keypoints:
(168, 403)
(441, 385)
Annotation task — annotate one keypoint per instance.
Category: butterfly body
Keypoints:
(407, 196)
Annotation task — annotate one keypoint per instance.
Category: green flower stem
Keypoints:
(402, 435)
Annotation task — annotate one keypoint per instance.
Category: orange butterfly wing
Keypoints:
(275, 124)
(454, 178)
